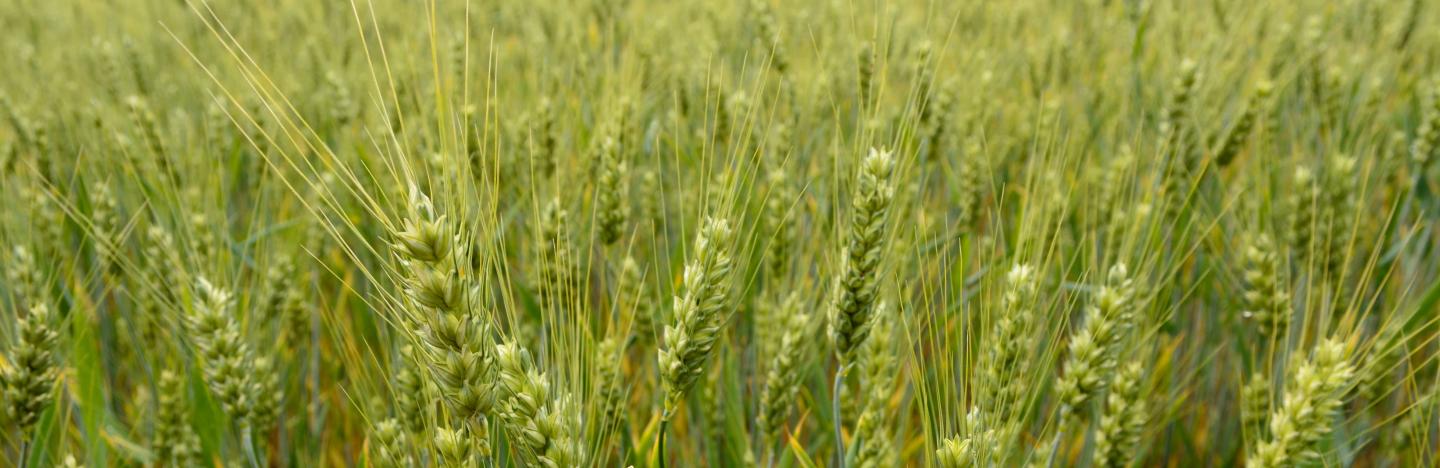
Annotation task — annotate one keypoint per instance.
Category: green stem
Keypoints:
(660, 443)
(1054, 448)
(835, 412)
(247, 442)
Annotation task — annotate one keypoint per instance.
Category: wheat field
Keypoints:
(848, 234)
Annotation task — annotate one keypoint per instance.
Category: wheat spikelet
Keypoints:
(1000, 384)
(970, 183)
(456, 338)
(1314, 393)
(782, 378)
(1427, 136)
(1267, 299)
(1255, 406)
(866, 76)
(1301, 208)
(24, 276)
(700, 309)
(1244, 124)
(612, 211)
(558, 274)
(1122, 420)
(855, 290)
(389, 446)
(878, 374)
(29, 380)
(778, 219)
(453, 448)
(104, 221)
(268, 396)
(768, 35)
(978, 446)
(1092, 352)
(542, 426)
(174, 443)
(634, 298)
(1378, 369)
(413, 395)
(1338, 212)
(228, 361)
(609, 380)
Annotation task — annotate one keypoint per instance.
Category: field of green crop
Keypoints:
(759, 233)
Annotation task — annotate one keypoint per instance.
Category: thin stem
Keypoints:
(1060, 427)
(660, 444)
(1055, 447)
(247, 442)
(835, 411)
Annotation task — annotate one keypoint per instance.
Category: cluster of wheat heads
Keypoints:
(705, 233)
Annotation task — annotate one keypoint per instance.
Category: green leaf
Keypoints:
(89, 394)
